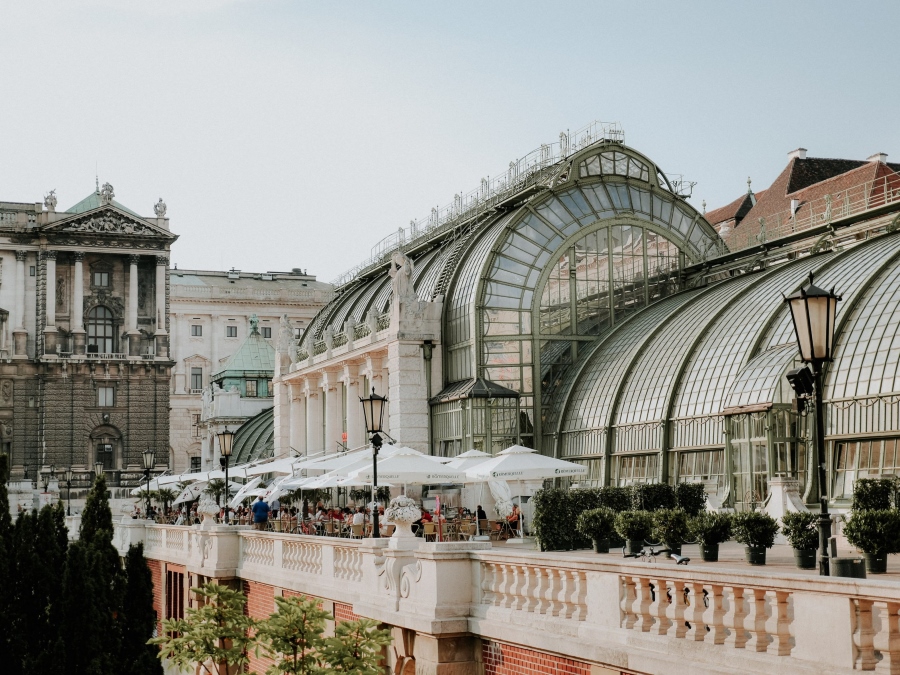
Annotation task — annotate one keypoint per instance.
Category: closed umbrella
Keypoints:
(190, 492)
(243, 493)
(519, 463)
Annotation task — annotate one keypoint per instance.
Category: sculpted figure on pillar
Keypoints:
(401, 277)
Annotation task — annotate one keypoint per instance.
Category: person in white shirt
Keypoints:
(359, 518)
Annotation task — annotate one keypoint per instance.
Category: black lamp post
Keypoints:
(149, 458)
(813, 311)
(373, 411)
(226, 438)
(45, 481)
(69, 474)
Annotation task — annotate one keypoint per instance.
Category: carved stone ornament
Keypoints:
(109, 223)
(402, 512)
(160, 208)
(50, 200)
(401, 271)
(116, 305)
(285, 335)
(6, 392)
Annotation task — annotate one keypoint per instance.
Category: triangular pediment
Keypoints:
(110, 220)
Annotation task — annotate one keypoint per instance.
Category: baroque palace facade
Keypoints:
(85, 368)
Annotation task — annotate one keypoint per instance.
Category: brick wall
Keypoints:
(157, 576)
(503, 659)
(344, 612)
(260, 605)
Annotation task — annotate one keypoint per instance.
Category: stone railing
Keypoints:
(627, 614)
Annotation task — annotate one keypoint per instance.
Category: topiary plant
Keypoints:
(873, 494)
(634, 525)
(710, 528)
(616, 498)
(876, 532)
(800, 528)
(596, 523)
(690, 497)
(755, 529)
(652, 497)
(670, 526)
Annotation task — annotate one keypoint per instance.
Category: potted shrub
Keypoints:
(617, 498)
(801, 530)
(597, 524)
(652, 496)
(756, 530)
(876, 533)
(873, 494)
(709, 529)
(691, 497)
(670, 526)
(634, 527)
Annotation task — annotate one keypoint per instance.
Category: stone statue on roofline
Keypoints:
(400, 271)
(285, 335)
(160, 208)
(107, 193)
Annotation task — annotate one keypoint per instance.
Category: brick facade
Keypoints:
(156, 573)
(344, 612)
(504, 659)
(260, 605)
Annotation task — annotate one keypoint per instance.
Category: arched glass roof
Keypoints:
(255, 439)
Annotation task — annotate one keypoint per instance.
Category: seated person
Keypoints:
(513, 518)
(359, 518)
(426, 517)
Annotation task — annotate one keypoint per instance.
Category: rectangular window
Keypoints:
(106, 397)
(251, 388)
(271, 388)
(101, 278)
(266, 331)
(105, 455)
(196, 330)
(32, 271)
(230, 331)
(196, 379)
(195, 425)
(195, 463)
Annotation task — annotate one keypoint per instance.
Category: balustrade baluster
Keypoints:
(503, 589)
(487, 580)
(541, 603)
(734, 618)
(716, 620)
(756, 621)
(513, 588)
(866, 634)
(523, 594)
(782, 633)
(660, 607)
(679, 608)
(629, 597)
(554, 588)
(642, 608)
(579, 593)
(565, 590)
(891, 626)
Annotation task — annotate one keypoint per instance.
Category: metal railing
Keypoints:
(520, 175)
(833, 207)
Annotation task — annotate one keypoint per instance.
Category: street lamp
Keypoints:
(226, 438)
(98, 469)
(149, 457)
(45, 480)
(69, 474)
(813, 311)
(373, 411)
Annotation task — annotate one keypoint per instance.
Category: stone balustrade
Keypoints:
(599, 609)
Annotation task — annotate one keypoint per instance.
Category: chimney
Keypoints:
(878, 157)
(799, 153)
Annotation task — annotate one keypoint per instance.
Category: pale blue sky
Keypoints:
(297, 134)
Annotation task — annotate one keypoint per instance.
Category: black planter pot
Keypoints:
(756, 555)
(709, 553)
(805, 558)
(876, 563)
(615, 541)
(635, 545)
(601, 545)
(673, 548)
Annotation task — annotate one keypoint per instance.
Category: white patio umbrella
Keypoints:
(410, 467)
(466, 461)
(519, 463)
(244, 492)
(190, 492)
(282, 466)
(156, 484)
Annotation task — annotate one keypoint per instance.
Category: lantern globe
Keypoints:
(98, 468)
(226, 440)
(813, 311)
(149, 457)
(69, 475)
(373, 411)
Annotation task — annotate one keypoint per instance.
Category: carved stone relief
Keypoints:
(6, 393)
(109, 223)
(61, 294)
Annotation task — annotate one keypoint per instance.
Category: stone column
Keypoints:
(50, 333)
(356, 432)
(78, 304)
(134, 336)
(313, 417)
(334, 409)
(162, 337)
(20, 335)
(407, 398)
(298, 420)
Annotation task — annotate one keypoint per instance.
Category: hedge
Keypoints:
(873, 494)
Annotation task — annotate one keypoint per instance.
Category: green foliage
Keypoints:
(6, 553)
(874, 531)
(292, 636)
(634, 525)
(165, 496)
(670, 526)
(79, 641)
(383, 494)
(596, 523)
(356, 648)
(616, 498)
(873, 494)
(556, 511)
(710, 527)
(690, 497)
(801, 529)
(217, 631)
(96, 515)
(138, 616)
(216, 489)
(754, 528)
(652, 497)
(359, 495)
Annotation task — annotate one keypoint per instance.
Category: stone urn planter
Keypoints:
(402, 512)
(207, 510)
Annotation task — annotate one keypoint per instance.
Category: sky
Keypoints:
(285, 134)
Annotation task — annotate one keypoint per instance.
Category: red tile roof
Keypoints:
(735, 210)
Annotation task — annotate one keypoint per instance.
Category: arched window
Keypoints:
(100, 331)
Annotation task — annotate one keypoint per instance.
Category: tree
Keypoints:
(96, 515)
(6, 553)
(166, 496)
(139, 618)
(215, 489)
(293, 636)
(79, 641)
(356, 647)
(214, 635)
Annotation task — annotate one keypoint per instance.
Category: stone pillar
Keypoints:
(134, 336)
(313, 418)
(78, 304)
(282, 417)
(162, 337)
(356, 432)
(334, 409)
(298, 420)
(50, 333)
(20, 335)
(407, 398)
(383, 388)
